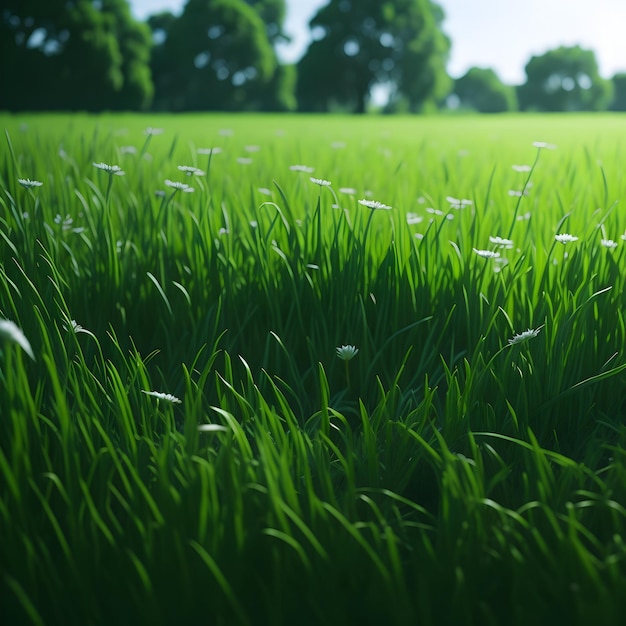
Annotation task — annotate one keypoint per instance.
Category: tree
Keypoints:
(278, 94)
(481, 89)
(272, 13)
(619, 92)
(214, 56)
(564, 79)
(85, 54)
(359, 44)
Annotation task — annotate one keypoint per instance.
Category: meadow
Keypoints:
(312, 370)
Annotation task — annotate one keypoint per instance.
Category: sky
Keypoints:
(500, 34)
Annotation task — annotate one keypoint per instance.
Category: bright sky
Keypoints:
(501, 34)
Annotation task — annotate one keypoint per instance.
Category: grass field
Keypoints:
(346, 371)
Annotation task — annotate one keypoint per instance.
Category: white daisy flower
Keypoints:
(27, 183)
(544, 145)
(153, 131)
(174, 184)
(301, 168)
(374, 205)
(486, 254)
(350, 191)
(413, 218)
(525, 336)
(190, 170)
(521, 168)
(207, 151)
(565, 238)
(113, 170)
(212, 428)
(609, 243)
(502, 242)
(347, 353)
(320, 181)
(168, 397)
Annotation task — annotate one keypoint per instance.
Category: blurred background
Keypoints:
(388, 56)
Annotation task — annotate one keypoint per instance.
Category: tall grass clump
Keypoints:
(279, 370)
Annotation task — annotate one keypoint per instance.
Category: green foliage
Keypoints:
(362, 44)
(481, 89)
(216, 55)
(272, 13)
(619, 92)
(564, 79)
(444, 475)
(80, 55)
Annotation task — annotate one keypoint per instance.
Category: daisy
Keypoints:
(27, 183)
(168, 397)
(486, 254)
(177, 186)
(565, 238)
(525, 336)
(374, 205)
(113, 170)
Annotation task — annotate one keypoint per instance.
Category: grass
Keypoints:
(446, 474)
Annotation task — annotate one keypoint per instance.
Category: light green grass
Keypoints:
(441, 476)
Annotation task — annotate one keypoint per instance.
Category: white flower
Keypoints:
(320, 181)
(413, 218)
(113, 170)
(207, 151)
(10, 332)
(623, 237)
(265, 191)
(374, 205)
(244, 160)
(190, 170)
(252, 148)
(458, 203)
(521, 168)
(174, 184)
(486, 254)
(500, 241)
(75, 328)
(350, 191)
(65, 222)
(609, 243)
(27, 183)
(153, 131)
(226, 132)
(543, 144)
(163, 396)
(347, 353)
(565, 238)
(212, 428)
(525, 336)
(301, 168)
(128, 150)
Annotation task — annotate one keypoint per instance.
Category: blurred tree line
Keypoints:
(221, 55)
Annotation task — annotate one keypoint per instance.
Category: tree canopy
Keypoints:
(217, 55)
(85, 54)
(481, 89)
(360, 44)
(564, 79)
(619, 92)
